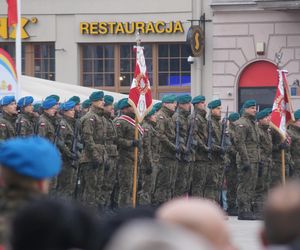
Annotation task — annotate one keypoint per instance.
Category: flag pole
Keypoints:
(283, 167)
(135, 165)
(18, 45)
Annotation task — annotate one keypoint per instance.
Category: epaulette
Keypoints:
(241, 125)
(161, 117)
(2, 125)
(42, 124)
(145, 129)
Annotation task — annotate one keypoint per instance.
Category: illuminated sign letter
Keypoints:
(119, 28)
(3, 28)
(178, 27)
(84, 28)
(157, 27)
(150, 28)
(103, 30)
(131, 30)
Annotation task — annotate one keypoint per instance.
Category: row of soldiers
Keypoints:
(180, 153)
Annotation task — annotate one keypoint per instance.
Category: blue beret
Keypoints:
(249, 103)
(37, 106)
(56, 97)
(96, 96)
(297, 115)
(25, 101)
(67, 105)
(197, 99)
(151, 112)
(157, 106)
(75, 99)
(86, 104)
(214, 104)
(34, 156)
(234, 117)
(6, 100)
(262, 114)
(123, 103)
(169, 98)
(184, 98)
(49, 103)
(108, 100)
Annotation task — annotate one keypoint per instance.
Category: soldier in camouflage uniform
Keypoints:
(265, 164)
(167, 166)
(199, 170)
(247, 145)
(85, 106)
(149, 165)
(125, 125)
(25, 122)
(8, 117)
(66, 180)
(110, 173)
(294, 133)
(77, 107)
(94, 155)
(215, 167)
(180, 118)
(24, 184)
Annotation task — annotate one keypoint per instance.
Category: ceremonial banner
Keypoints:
(140, 97)
(12, 12)
(8, 75)
(282, 112)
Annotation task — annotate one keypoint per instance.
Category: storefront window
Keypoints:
(44, 61)
(173, 68)
(98, 65)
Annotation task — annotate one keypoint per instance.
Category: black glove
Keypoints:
(106, 167)
(182, 149)
(246, 167)
(134, 143)
(216, 148)
(260, 169)
(283, 146)
(148, 170)
(74, 156)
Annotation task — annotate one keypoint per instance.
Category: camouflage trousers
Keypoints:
(262, 185)
(91, 182)
(165, 180)
(213, 182)
(147, 186)
(276, 173)
(183, 178)
(231, 180)
(109, 180)
(66, 181)
(199, 174)
(246, 187)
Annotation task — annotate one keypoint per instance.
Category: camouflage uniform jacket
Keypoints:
(94, 136)
(200, 134)
(47, 126)
(150, 144)
(7, 126)
(294, 133)
(25, 124)
(166, 132)
(276, 152)
(247, 140)
(216, 135)
(182, 116)
(111, 136)
(265, 143)
(125, 131)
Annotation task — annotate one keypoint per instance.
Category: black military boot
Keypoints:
(246, 216)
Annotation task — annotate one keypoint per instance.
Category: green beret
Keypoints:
(75, 99)
(297, 115)
(37, 106)
(108, 100)
(151, 112)
(123, 103)
(269, 110)
(56, 97)
(157, 106)
(262, 114)
(182, 99)
(234, 117)
(249, 103)
(86, 104)
(169, 98)
(116, 108)
(197, 99)
(214, 104)
(96, 96)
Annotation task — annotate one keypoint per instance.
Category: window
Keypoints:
(173, 68)
(98, 65)
(127, 63)
(44, 61)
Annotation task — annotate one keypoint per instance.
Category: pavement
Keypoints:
(245, 234)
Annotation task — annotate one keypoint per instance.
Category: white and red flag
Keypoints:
(282, 111)
(12, 12)
(140, 97)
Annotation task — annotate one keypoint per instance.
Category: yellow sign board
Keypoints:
(6, 33)
(104, 28)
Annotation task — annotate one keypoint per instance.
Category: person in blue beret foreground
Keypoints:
(8, 118)
(27, 166)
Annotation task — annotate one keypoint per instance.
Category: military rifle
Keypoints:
(209, 138)
(177, 141)
(74, 163)
(190, 138)
(223, 133)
